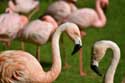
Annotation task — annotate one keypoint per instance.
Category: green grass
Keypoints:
(114, 30)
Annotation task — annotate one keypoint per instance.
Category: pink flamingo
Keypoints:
(23, 6)
(10, 24)
(39, 32)
(86, 17)
(14, 67)
(60, 10)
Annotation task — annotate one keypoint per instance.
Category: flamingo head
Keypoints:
(98, 52)
(50, 19)
(74, 33)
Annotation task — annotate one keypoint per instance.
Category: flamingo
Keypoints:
(39, 31)
(10, 24)
(87, 17)
(61, 9)
(14, 67)
(98, 53)
(23, 6)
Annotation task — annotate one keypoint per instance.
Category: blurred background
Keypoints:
(114, 31)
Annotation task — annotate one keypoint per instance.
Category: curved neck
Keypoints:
(109, 77)
(56, 60)
(101, 15)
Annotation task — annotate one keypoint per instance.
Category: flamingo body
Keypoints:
(38, 31)
(61, 9)
(83, 17)
(10, 24)
(23, 6)
(14, 67)
(87, 17)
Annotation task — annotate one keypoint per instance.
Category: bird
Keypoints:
(17, 66)
(60, 9)
(23, 7)
(86, 17)
(10, 24)
(38, 31)
(98, 52)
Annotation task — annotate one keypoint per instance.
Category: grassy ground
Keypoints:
(114, 30)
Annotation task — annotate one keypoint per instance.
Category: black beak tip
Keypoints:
(76, 49)
(96, 70)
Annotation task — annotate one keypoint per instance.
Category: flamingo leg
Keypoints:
(8, 43)
(22, 42)
(81, 69)
(22, 45)
(33, 12)
(82, 73)
(38, 53)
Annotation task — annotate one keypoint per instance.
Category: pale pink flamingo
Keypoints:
(60, 10)
(39, 32)
(87, 17)
(22, 67)
(23, 6)
(10, 24)
(98, 52)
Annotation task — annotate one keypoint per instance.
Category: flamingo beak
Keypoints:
(78, 45)
(96, 69)
(76, 48)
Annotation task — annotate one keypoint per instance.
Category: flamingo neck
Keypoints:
(109, 77)
(101, 15)
(12, 5)
(54, 23)
(55, 70)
